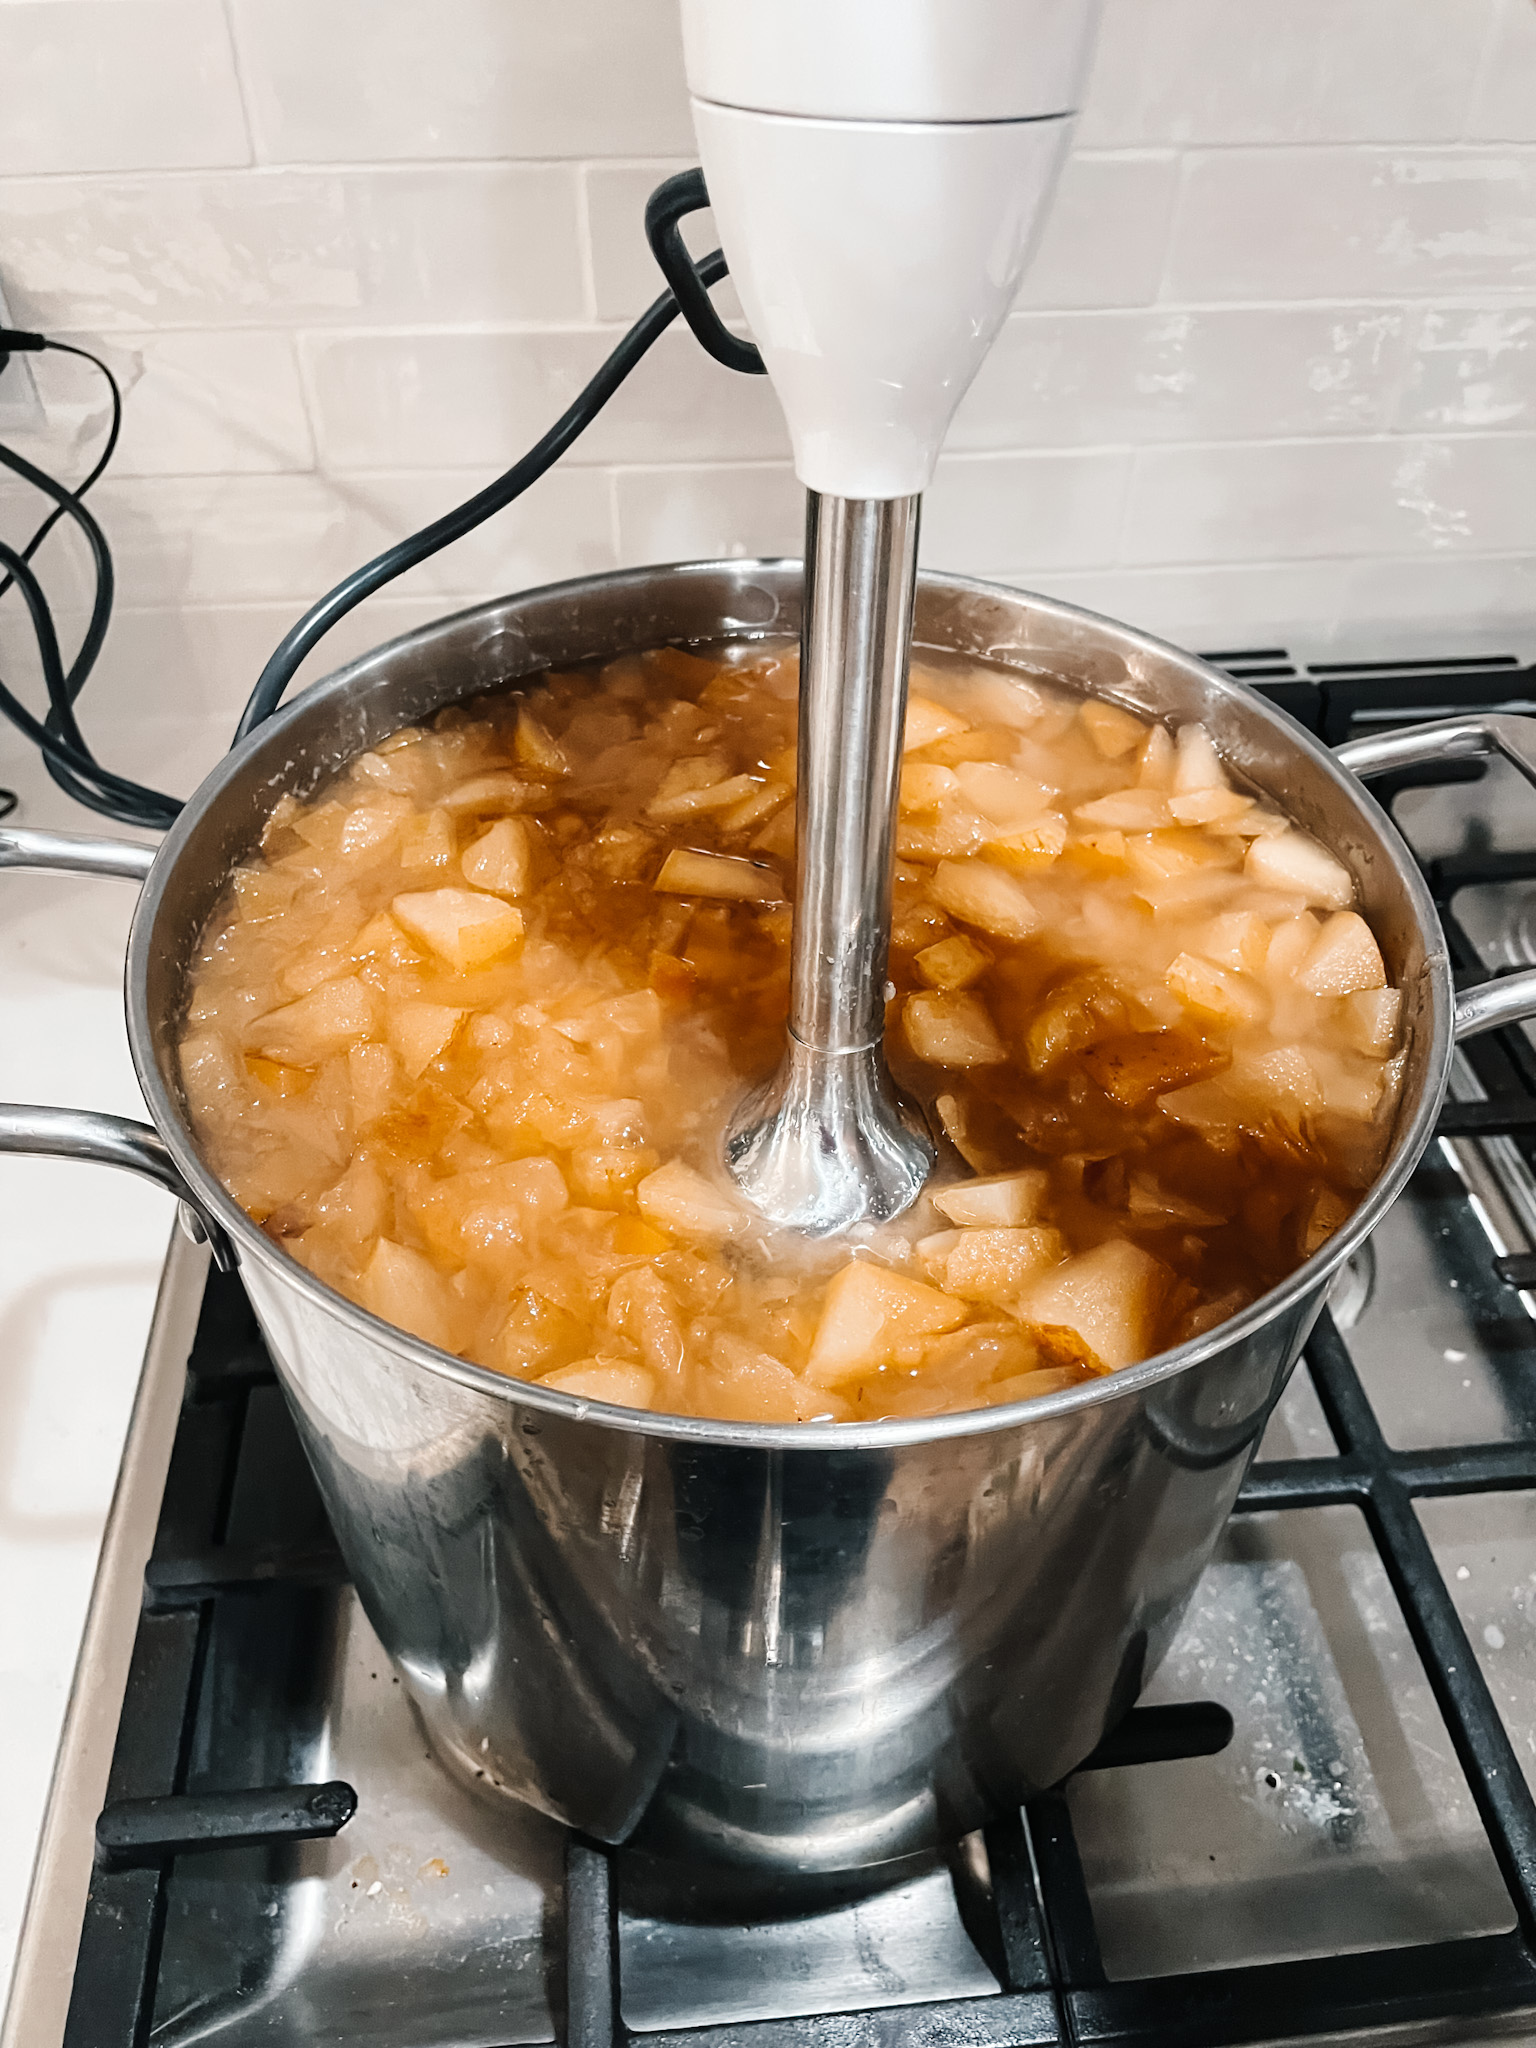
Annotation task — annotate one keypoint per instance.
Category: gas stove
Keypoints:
(1318, 1821)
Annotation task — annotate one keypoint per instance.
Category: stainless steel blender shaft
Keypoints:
(827, 1145)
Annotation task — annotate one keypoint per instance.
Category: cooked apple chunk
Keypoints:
(1345, 959)
(1293, 861)
(332, 1018)
(686, 873)
(952, 1030)
(678, 1199)
(464, 927)
(870, 1311)
(501, 859)
(1000, 1200)
(1111, 1296)
(953, 963)
(978, 893)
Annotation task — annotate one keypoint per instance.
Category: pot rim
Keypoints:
(1309, 1278)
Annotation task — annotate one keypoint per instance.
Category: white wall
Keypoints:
(1273, 378)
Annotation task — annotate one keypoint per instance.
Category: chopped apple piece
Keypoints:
(419, 1032)
(1327, 1213)
(1155, 768)
(1290, 860)
(1113, 731)
(500, 791)
(373, 1072)
(1290, 943)
(1372, 1016)
(501, 859)
(958, 829)
(1035, 845)
(404, 1288)
(1284, 1077)
(952, 1117)
(614, 1382)
(753, 1386)
(778, 835)
(372, 826)
(978, 893)
(724, 795)
(686, 873)
(760, 802)
(952, 1030)
(537, 1336)
(1345, 960)
(1127, 810)
(1236, 939)
(924, 785)
(1000, 1200)
(869, 1311)
(329, 1020)
(953, 963)
(995, 1265)
(1217, 991)
(1351, 1087)
(678, 1199)
(1133, 1067)
(933, 1250)
(1111, 1296)
(1003, 795)
(427, 842)
(536, 751)
(465, 927)
(1197, 765)
(927, 722)
(1173, 853)
(1003, 700)
(1222, 808)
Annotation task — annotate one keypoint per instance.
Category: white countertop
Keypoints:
(81, 1248)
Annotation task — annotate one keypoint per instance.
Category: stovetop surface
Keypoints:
(1317, 1820)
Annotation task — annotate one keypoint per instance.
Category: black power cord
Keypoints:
(58, 736)
(69, 758)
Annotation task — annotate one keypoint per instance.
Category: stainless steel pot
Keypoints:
(803, 1648)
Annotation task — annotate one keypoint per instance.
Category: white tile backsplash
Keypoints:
(90, 85)
(1203, 71)
(201, 404)
(351, 80)
(1504, 108)
(1472, 368)
(286, 249)
(1105, 239)
(1275, 360)
(1208, 373)
(439, 399)
(1316, 499)
(202, 540)
(1278, 224)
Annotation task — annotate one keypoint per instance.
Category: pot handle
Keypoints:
(111, 1141)
(1508, 998)
(74, 853)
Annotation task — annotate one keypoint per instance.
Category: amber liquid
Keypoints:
(1115, 980)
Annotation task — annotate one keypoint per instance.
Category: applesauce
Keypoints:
(463, 1038)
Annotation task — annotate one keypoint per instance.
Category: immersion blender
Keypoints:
(879, 170)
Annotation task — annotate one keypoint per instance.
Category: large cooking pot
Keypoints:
(800, 1648)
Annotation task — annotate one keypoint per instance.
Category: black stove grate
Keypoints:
(219, 1543)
